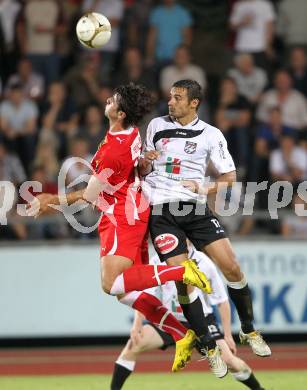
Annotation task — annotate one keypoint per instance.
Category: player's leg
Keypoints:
(238, 368)
(221, 252)
(154, 311)
(170, 243)
(149, 339)
(124, 241)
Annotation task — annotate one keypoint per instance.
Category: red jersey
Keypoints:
(115, 163)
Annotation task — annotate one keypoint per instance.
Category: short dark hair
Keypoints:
(194, 90)
(135, 101)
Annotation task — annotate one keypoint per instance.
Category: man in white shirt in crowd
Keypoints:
(250, 79)
(150, 336)
(289, 162)
(292, 103)
(182, 69)
(253, 21)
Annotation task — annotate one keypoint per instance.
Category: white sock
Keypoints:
(237, 285)
(129, 364)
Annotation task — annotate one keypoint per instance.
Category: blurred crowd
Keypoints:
(53, 90)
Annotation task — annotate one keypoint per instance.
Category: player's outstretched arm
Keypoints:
(225, 314)
(43, 203)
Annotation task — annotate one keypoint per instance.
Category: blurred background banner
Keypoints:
(54, 291)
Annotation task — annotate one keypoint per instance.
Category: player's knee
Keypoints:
(106, 286)
(233, 271)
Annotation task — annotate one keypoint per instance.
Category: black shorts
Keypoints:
(169, 230)
(168, 340)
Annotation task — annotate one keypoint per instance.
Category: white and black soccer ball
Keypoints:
(93, 30)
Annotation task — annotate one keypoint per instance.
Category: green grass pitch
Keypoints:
(272, 380)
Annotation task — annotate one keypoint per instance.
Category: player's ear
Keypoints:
(121, 115)
(194, 103)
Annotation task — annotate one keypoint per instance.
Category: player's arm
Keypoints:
(225, 314)
(149, 153)
(42, 204)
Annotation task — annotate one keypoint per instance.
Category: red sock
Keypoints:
(156, 313)
(141, 277)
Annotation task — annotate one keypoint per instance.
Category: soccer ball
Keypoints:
(93, 30)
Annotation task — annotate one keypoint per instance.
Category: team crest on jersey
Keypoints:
(190, 147)
(165, 243)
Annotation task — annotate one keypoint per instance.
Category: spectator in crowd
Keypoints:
(182, 69)
(46, 158)
(93, 129)
(253, 21)
(233, 118)
(113, 10)
(170, 26)
(60, 116)
(83, 81)
(105, 91)
(11, 170)
(79, 148)
(250, 79)
(291, 102)
(295, 226)
(138, 22)
(18, 123)
(268, 139)
(40, 26)
(291, 22)
(133, 70)
(289, 162)
(298, 69)
(32, 82)
(9, 13)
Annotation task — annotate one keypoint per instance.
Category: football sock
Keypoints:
(193, 312)
(240, 295)
(156, 313)
(141, 277)
(122, 369)
(248, 379)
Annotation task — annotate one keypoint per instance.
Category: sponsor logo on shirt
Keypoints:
(165, 243)
(190, 147)
(172, 165)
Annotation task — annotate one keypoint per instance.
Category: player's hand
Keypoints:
(191, 185)
(40, 205)
(136, 334)
(231, 343)
(151, 155)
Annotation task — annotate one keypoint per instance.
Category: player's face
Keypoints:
(111, 110)
(179, 105)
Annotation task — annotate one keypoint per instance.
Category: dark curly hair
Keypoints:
(135, 101)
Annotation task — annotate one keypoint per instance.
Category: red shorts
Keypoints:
(125, 240)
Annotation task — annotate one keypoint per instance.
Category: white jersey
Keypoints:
(167, 293)
(185, 152)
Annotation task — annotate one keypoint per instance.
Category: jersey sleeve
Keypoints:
(219, 154)
(149, 144)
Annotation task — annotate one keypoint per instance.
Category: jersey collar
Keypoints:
(127, 131)
(193, 123)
